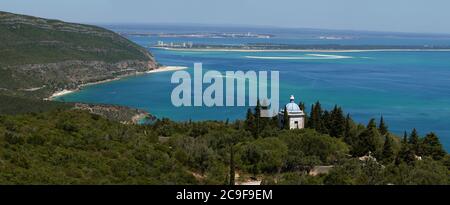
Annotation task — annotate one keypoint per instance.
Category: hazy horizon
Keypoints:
(190, 24)
(402, 16)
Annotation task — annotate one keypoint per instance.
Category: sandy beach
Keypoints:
(160, 69)
(59, 93)
(167, 68)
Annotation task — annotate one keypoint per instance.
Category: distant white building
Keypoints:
(296, 116)
(190, 44)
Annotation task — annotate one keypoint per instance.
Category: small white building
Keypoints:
(296, 116)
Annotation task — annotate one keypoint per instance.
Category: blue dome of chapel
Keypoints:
(292, 106)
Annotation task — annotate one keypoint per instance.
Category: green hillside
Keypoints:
(76, 147)
(51, 55)
(10, 105)
(30, 40)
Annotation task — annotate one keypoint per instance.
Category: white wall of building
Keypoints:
(296, 123)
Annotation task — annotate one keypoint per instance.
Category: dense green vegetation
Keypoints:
(76, 147)
(17, 105)
(31, 40)
(40, 56)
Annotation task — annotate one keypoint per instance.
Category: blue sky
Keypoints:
(424, 16)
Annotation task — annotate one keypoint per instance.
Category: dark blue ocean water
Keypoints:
(410, 89)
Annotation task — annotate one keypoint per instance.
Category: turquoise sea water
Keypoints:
(410, 89)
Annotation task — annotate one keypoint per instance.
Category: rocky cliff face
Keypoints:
(40, 56)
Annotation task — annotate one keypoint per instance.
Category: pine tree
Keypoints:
(372, 124)
(433, 147)
(414, 137)
(405, 154)
(368, 141)
(382, 127)
(414, 141)
(388, 150)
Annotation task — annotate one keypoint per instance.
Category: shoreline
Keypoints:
(167, 68)
(300, 50)
(139, 117)
(158, 70)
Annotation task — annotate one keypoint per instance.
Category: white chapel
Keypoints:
(296, 116)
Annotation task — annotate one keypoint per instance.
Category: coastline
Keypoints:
(138, 117)
(300, 50)
(158, 70)
(167, 68)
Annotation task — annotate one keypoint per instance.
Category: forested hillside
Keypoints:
(39, 56)
(76, 147)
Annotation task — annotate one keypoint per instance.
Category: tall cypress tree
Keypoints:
(382, 127)
(257, 118)
(312, 118)
(405, 137)
(286, 119)
(347, 134)
(250, 121)
(318, 114)
(338, 123)
(325, 122)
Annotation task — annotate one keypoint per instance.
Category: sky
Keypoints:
(419, 16)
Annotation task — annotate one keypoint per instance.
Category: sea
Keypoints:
(410, 89)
